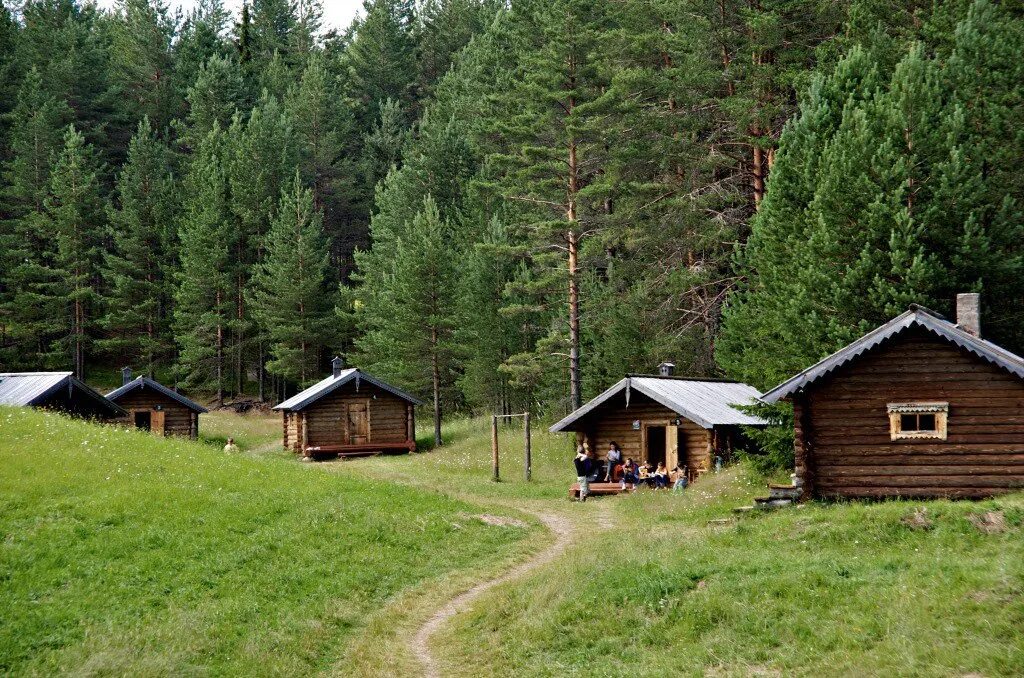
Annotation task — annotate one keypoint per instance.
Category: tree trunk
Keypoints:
(575, 394)
(436, 377)
(220, 353)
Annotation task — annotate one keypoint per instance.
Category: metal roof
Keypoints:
(145, 382)
(318, 390)
(916, 316)
(33, 388)
(705, 402)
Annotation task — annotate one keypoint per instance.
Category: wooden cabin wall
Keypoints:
(177, 417)
(387, 412)
(291, 431)
(844, 425)
(614, 421)
(698, 446)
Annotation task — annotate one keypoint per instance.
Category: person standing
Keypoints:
(584, 466)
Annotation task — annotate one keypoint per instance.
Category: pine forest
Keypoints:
(503, 206)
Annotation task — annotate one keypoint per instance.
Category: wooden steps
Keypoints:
(596, 489)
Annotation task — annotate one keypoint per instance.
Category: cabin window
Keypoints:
(918, 420)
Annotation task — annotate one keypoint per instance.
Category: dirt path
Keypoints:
(420, 642)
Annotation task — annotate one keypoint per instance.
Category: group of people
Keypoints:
(589, 469)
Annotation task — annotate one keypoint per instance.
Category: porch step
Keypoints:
(783, 492)
(596, 488)
(771, 502)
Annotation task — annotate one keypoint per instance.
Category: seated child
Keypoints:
(678, 478)
(629, 474)
(660, 476)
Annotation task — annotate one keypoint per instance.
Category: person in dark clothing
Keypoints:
(584, 468)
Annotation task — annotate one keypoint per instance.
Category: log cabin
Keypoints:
(349, 413)
(919, 407)
(151, 406)
(665, 418)
(57, 391)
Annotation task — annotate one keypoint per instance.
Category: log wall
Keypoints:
(612, 420)
(843, 439)
(177, 417)
(325, 420)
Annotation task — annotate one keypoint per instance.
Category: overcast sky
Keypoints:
(337, 13)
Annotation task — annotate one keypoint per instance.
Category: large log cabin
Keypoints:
(151, 406)
(349, 413)
(664, 418)
(919, 407)
(57, 391)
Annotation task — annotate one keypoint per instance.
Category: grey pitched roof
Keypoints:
(300, 401)
(144, 382)
(916, 316)
(705, 402)
(33, 388)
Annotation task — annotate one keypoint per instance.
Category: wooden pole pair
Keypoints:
(528, 471)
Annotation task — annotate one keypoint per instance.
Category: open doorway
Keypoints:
(655, 452)
(143, 420)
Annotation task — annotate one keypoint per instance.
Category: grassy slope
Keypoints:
(123, 553)
(840, 589)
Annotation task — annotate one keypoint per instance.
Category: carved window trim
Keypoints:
(899, 412)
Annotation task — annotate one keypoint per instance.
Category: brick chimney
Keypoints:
(126, 375)
(336, 366)
(968, 313)
(667, 369)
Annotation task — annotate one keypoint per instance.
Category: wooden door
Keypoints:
(358, 424)
(156, 422)
(671, 447)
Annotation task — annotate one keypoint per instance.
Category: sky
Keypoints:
(337, 13)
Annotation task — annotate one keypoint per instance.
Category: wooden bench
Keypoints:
(366, 450)
(596, 489)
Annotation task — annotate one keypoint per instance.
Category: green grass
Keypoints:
(122, 553)
(462, 466)
(255, 431)
(834, 589)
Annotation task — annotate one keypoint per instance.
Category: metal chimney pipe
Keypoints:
(968, 313)
(126, 375)
(336, 366)
(667, 369)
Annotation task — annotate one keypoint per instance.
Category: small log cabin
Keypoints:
(151, 406)
(350, 413)
(665, 418)
(919, 407)
(58, 391)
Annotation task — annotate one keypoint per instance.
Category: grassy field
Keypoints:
(679, 588)
(121, 553)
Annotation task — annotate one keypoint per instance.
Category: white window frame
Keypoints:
(897, 410)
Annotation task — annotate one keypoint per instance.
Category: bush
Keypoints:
(773, 450)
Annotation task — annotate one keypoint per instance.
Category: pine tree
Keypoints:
(203, 298)
(142, 60)
(550, 154)
(409, 324)
(28, 246)
(382, 58)
(261, 156)
(288, 291)
(74, 215)
(322, 123)
(879, 199)
(142, 260)
(200, 38)
(212, 99)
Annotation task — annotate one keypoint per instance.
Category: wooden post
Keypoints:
(526, 435)
(494, 446)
